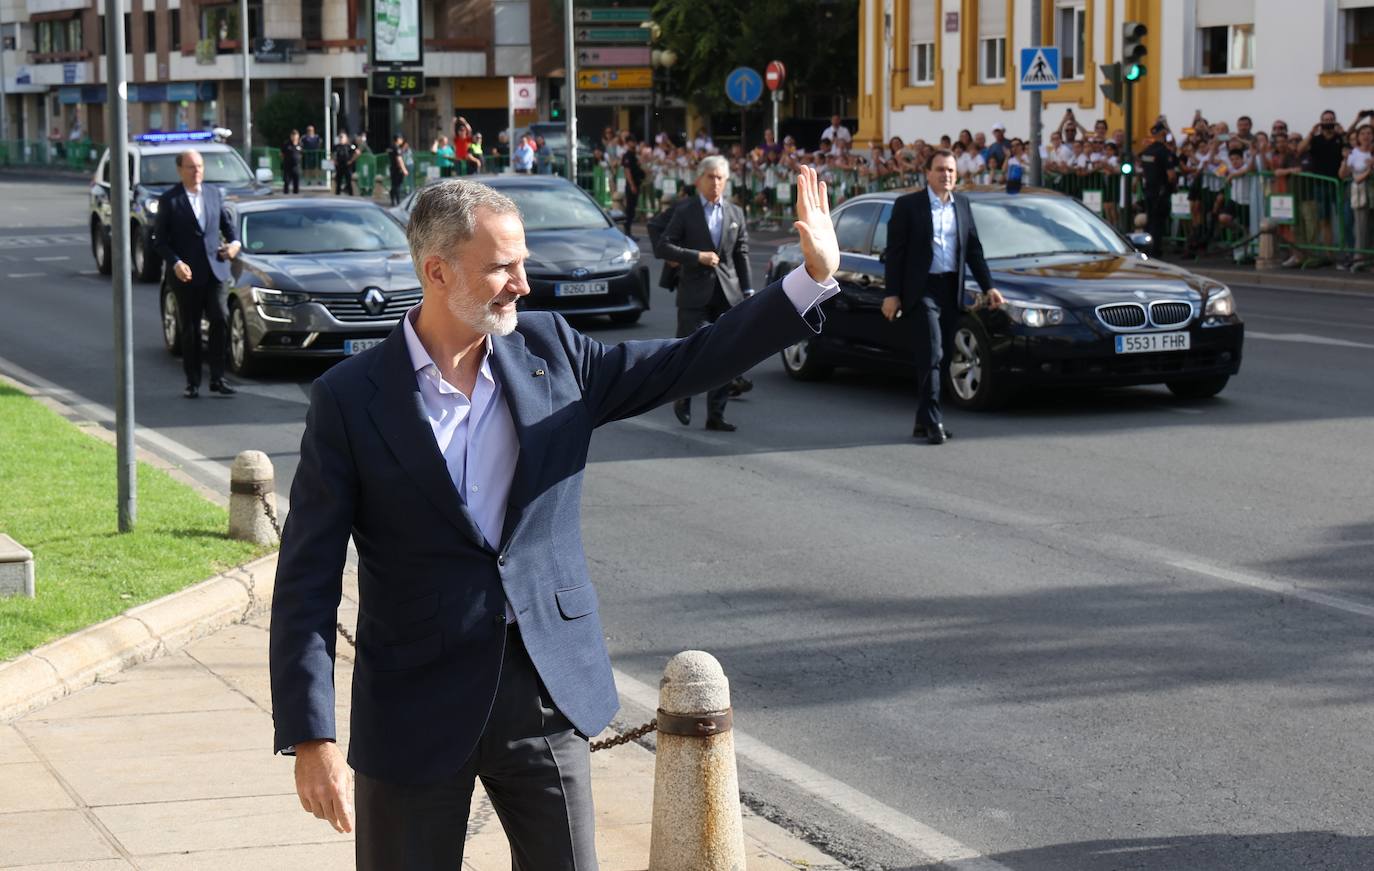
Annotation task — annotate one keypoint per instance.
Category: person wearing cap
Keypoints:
(1159, 166)
(1000, 147)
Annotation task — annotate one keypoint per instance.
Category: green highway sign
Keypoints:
(607, 14)
(632, 35)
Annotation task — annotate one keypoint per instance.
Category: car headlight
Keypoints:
(1033, 315)
(1220, 302)
(629, 255)
(268, 296)
(150, 206)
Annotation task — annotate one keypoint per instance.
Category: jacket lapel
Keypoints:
(524, 379)
(398, 412)
(962, 217)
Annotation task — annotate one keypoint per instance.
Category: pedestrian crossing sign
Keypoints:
(1040, 68)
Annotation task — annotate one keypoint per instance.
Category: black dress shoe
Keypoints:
(222, 388)
(920, 432)
(682, 409)
(740, 386)
(191, 391)
(720, 424)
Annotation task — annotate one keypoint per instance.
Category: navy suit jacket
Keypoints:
(687, 233)
(431, 627)
(911, 247)
(177, 234)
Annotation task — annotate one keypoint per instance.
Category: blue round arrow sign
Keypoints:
(744, 86)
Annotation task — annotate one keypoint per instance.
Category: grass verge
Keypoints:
(58, 499)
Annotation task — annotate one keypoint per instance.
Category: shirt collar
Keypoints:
(936, 202)
(707, 204)
(421, 362)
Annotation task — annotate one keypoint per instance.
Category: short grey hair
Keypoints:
(444, 216)
(712, 163)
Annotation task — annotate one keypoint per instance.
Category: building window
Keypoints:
(1226, 49)
(1070, 33)
(312, 20)
(128, 41)
(921, 36)
(1357, 38)
(176, 29)
(76, 41)
(512, 22)
(150, 31)
(992, 41)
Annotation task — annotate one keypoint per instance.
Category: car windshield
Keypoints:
(556, 208)
(320, 231)
(221, 167)
(1017, 225)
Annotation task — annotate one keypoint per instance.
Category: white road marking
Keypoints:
(26, 275)
(931, 844)
(1307, 339)
(52, 259)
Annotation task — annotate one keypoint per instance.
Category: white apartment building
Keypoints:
(932, 67)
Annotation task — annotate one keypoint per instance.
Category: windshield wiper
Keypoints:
(1052, 254)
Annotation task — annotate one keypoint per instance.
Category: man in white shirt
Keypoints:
(835, 132)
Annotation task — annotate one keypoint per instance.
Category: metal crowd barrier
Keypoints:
(81, 155)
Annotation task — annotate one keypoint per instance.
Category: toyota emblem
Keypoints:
(374, 301)
(581, 272)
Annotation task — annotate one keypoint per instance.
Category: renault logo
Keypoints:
(374, 301)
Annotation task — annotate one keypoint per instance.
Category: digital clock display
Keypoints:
(393, 83)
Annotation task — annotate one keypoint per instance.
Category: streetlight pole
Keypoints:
(4, 97)
(117, 129)
(247, 101)
(570, 88)
(1035, 122)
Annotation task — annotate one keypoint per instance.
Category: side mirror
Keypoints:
(264, 175)
(1141, 240)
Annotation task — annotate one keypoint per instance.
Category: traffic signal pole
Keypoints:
(570, 88)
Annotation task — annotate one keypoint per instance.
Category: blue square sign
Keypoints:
(1040, 68)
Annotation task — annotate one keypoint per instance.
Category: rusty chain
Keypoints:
(270, 512)
(632, 735)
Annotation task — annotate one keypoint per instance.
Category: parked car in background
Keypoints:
(1084, 306)
(580, 262)
(152, 170)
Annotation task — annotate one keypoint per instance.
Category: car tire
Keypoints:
(626, 318)
(147, 266)
(171, 321)
(242, 360)
(100, 249)
(973, 381)
(1198, 388)
(800, 362)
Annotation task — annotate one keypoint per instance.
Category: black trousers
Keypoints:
(397, 188)
(291, 179)
(631, 206)
(934, 320)
(1157, 219)
(343, 183)
(535, 767)
(195, 302)
(688, 321)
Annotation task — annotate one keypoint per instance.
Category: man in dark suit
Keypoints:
(196, 238)
(931, 239)
(708, 238)
(453, 454)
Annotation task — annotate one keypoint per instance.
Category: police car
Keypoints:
(152, 170)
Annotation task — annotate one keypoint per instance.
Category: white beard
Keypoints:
(479, 316)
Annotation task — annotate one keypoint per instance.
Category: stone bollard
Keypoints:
(697, 824)
(252, 499)
(16, 568)
(1268, 247)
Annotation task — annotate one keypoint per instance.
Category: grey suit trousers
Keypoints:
(535, 767)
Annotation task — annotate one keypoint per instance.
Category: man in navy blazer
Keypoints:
(191, 221)
(453, 454)
(931, 240)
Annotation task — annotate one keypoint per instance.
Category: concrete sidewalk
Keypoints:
(168, 765)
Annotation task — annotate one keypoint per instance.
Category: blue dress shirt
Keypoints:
(945, 244)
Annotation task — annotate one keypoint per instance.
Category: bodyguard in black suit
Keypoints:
(452, 455)
(191, 221)
(931, 239)
(707, 236)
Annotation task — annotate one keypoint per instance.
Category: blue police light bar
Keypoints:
(177, 136)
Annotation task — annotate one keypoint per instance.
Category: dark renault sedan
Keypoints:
(317, 277)
(580, 263)
(1084, 307)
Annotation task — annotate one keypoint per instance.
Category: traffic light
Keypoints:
(555, 109)
(1113, 89)
(1128, 166)
(1133, 49)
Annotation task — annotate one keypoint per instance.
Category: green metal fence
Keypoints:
(81, 155)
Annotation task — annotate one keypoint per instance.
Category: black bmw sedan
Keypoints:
(580, 263)
(1084, 307)
(317, 277)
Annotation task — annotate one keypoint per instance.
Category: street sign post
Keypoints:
(773, 76)
(620, 79)
(592, 56)
(744, 86)
(622, 35)
(615, 98)
(1040, 68)
(620, 15)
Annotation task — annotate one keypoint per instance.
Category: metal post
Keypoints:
(247, 102)
(117, 130)
(1126, 180)
(510, 123)
(4, 96)
(777, 98)
(328, 130)
(570, 88)
(1036, 133)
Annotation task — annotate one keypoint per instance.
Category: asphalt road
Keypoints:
(1097, 630)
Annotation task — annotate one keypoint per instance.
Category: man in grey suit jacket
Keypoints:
(708, 237)
(452, 455)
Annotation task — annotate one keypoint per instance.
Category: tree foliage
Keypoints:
(817, 40)
(283, 112)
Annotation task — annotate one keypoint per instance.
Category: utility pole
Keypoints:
(117, 129)
(247, 102)
(4, 97)
(570, 88)
(1036, 167)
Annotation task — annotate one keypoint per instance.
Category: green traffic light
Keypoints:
(1127, 169)
(1134, 72)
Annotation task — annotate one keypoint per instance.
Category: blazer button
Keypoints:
(500, 620)
(501, 560)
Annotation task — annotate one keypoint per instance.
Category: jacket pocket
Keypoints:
(408, 654)
(576, 602)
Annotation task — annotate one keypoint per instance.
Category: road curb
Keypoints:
(141, 633)
(1288, 280)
